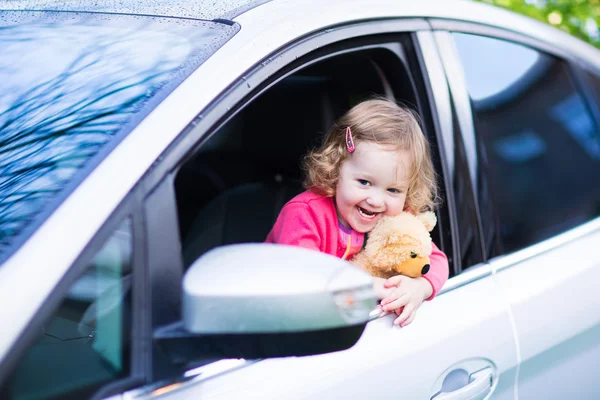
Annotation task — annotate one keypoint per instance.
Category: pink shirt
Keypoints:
(310, 221)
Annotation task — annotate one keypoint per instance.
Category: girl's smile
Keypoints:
(373, 182)
(366, 214)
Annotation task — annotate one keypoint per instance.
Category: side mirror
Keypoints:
(266, 300)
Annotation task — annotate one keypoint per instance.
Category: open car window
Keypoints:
(232, 189)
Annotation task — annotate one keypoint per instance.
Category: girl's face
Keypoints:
(373, 182)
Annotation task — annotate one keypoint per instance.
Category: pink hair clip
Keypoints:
(349, 140)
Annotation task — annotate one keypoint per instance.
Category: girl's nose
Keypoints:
(375, 201)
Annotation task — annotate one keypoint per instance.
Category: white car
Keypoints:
(146, 148)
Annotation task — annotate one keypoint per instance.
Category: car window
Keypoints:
(536, 137)
(86, 342)
(101, 75)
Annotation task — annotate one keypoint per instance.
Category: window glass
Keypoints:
(537, 142)
(86, 342)
(101, 75)
(595, 81)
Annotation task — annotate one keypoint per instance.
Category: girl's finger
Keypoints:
(393, 295)
(386, 292)
(401, 320)
(396, 303)
(410, 319)
(393, 281)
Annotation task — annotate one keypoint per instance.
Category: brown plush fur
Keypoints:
(398, 245)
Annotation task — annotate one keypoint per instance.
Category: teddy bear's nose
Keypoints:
(425, 269)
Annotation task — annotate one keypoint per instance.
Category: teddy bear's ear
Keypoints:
(428, 219)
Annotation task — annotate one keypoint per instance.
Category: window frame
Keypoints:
(440, 136)
(389, 41)
(305, 51)
(126, 210)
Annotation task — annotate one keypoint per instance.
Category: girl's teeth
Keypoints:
(365, 214)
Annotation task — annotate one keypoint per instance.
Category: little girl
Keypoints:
(374, 161)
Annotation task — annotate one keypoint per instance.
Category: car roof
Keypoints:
(207, 10)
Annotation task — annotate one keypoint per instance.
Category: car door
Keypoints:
(538, 151)
(461, 344)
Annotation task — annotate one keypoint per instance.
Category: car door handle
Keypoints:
(479, 386)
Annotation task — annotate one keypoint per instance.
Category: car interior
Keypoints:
(233, 188)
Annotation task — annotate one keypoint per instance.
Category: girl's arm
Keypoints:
(404, 295)
(384, 287)
(295, 226)
(438, 270)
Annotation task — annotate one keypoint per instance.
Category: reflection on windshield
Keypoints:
(66, 90)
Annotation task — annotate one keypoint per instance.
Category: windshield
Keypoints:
(71, 86)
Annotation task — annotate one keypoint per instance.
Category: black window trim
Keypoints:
(127, 209)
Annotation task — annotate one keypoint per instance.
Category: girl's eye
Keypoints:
(392, 190)
(363, 182)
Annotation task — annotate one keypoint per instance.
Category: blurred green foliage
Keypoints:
(578, 17)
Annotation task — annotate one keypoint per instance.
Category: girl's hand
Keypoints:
(406, 296)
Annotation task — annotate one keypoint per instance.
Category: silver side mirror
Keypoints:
(266, 288)
(266, 300)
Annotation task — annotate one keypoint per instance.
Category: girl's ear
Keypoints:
(428, 219)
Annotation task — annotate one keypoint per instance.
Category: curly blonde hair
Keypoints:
(383, 122)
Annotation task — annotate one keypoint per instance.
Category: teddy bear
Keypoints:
(398, 245)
